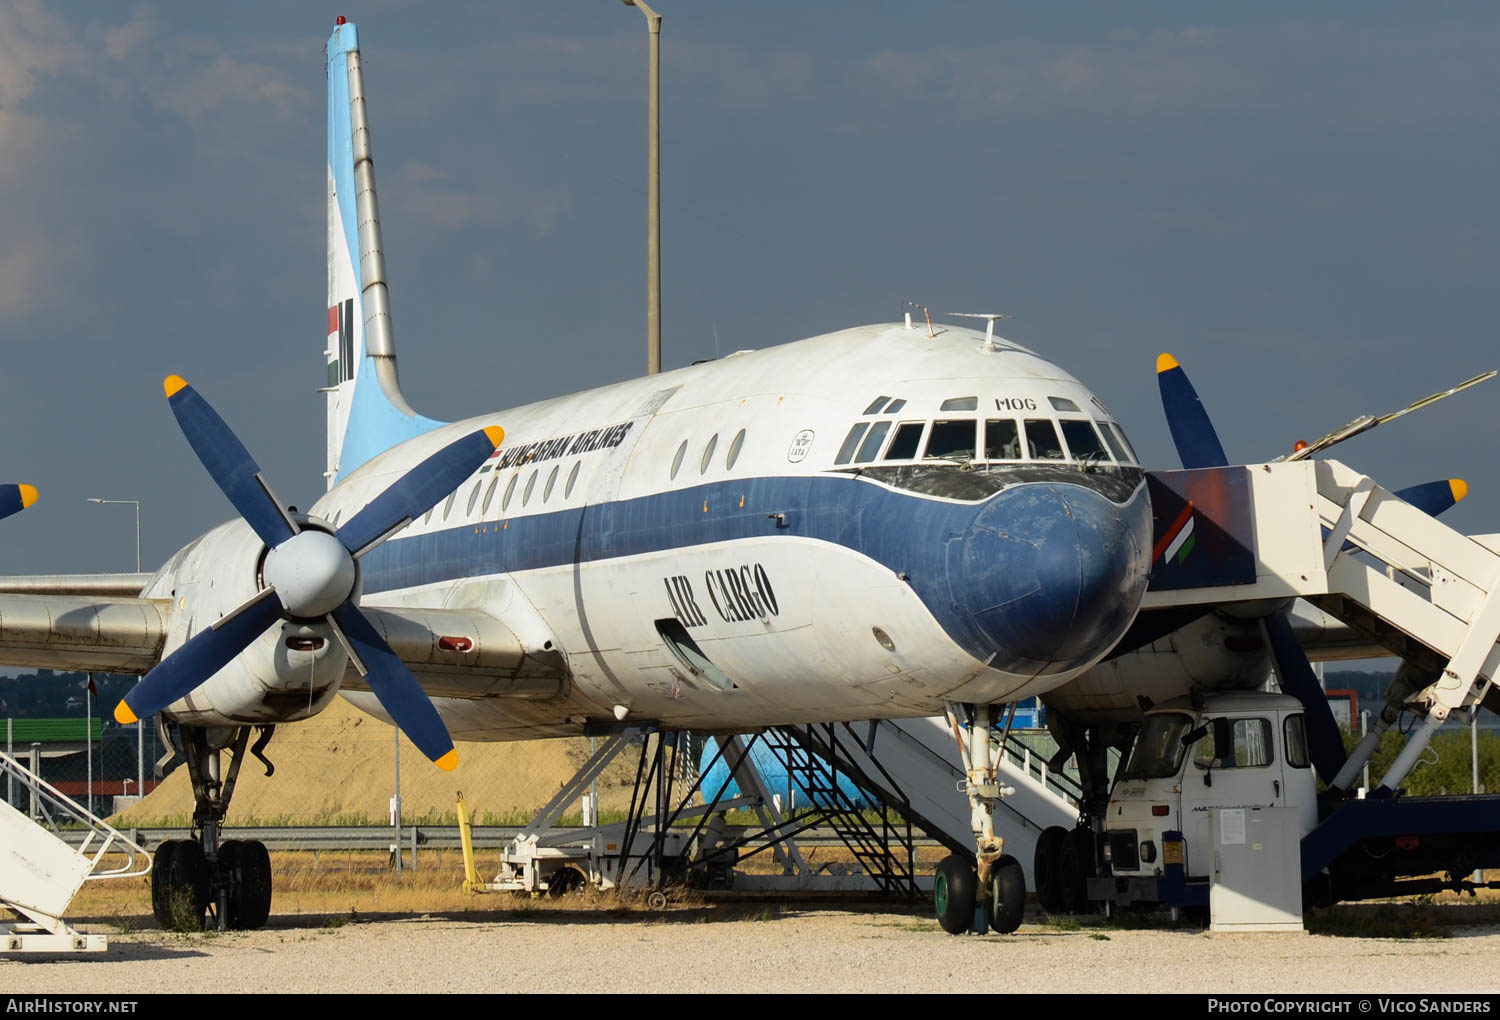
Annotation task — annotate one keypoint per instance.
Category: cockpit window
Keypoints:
(876, 405)
(1062, 404)
(851, 442)
(1125, 442)
(960, 404)
(1041, 437)
(895, 406)
(1114, 444)
(951, 440)
(1002, 441)
(908, 437)
(871, 446)
(1083, 441)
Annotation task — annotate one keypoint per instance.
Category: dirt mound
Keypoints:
(338, 768)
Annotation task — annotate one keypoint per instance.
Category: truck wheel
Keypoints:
(1007, 895)
(1077, 860)
(1047, 868)
(565, 881)
(953, 888)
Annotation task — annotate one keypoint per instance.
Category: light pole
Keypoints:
(653, 192)
(140, 725)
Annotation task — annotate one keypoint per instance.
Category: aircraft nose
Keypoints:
(1053, 574)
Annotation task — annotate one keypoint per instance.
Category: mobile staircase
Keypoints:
(40, 873)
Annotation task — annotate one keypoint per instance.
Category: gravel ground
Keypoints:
(777, 949)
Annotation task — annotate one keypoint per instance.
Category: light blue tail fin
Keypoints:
(366, 412)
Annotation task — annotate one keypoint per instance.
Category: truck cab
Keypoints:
(1246, 750)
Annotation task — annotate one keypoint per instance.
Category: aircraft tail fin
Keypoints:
(366, 412)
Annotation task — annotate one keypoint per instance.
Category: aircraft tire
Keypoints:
(1077, 867)
(953, 892)
(246, 867)
(160, 864)
(1047, 868)
(1007, 895)
(185, 888)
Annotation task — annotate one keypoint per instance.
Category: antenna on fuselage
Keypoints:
(906, 307)
(989, 325)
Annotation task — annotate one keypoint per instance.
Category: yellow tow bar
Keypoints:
(472, 882)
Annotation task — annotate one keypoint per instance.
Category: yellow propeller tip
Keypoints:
(172, 384)
(1458, 485)
(123, 715)
(449, 761)
(28, 495)
(1165, 363)
(495, 434)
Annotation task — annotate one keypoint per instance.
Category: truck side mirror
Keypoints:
(1223, 745)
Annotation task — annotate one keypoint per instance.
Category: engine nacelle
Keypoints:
(291, 672)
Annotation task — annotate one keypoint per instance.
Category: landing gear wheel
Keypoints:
(1047, 868)
(657, 900)
(1007, 895)
(160, 863)
(953, 891)
(184, 891)
(246, 867)
(1077, 867)
(564, 881)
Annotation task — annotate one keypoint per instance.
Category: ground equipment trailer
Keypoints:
(1200, 780)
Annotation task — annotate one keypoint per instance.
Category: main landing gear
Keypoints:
(228, 882)
(986, 892)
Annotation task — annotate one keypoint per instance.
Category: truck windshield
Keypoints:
(1158, 750)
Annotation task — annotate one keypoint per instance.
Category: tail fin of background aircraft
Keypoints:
(366, 411)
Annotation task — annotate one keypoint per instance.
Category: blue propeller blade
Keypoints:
(199, 658)
(419, 490)
(1192, 433)
(230, 464)
(1325, 743)
(1435, 497)
(15, 498)
(399, 693)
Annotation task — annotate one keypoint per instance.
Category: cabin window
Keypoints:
(908, 438)
(427, 517)
(1002, 440)
(530, 484)
(510, 490)
(871, 446)
(448, 506)
(677, 460)
(1041, 437)
(489, 494)
(1114, 444)
(1062, 404)
(473, 498)
(708, 454)
(1126, 442)
(1249, 746)
(895, 405)
(951, 440)
(551, 481)
(734, 449)
(1296, 741)
(1083, 441)
(851, 442)
(960, 404)
(572, 478)
(876, 405)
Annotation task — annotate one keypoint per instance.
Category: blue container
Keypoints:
(769, 755)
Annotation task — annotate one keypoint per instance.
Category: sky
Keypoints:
(1295, 200)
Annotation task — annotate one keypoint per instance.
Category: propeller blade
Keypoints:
(1435, 497)
(1192, 433)
(1325, 744)
(419, 490)
(200, 657)
(15, 498)
(230, 464)
(399, 693)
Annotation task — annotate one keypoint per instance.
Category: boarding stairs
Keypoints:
(40, 873)
(1324, 532)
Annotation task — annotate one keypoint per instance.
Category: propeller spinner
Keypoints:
(308, 573)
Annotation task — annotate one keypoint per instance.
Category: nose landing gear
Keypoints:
(988, 892)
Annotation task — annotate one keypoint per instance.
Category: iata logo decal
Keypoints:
(801, 443)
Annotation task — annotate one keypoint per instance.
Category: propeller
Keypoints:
(309, 574)
(15, 498)
(1198, 446)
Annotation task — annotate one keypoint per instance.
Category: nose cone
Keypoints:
(1053, 574)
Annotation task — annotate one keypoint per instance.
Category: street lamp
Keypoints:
(137, 504)
(140, 727)
(653, 192)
